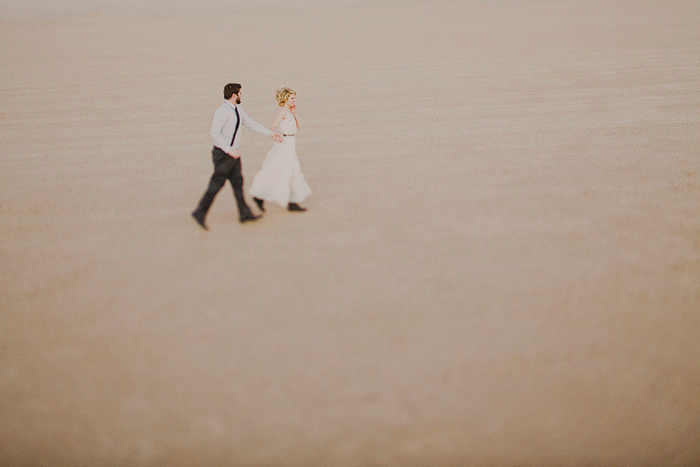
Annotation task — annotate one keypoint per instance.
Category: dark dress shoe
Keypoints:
(260, 203)
(295, 207)
(200, 221)
(249, 217)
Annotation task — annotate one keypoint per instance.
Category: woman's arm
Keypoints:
(278, 118)
(296, 117)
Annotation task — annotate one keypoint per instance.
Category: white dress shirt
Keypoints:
(224, 125)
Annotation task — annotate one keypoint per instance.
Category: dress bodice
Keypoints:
(288, 125)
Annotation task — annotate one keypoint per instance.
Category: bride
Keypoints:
(280, 178)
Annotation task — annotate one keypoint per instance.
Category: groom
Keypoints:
(227, 155)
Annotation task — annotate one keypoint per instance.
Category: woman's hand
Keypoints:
(293, 110)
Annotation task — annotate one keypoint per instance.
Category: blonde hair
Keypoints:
(283, 94)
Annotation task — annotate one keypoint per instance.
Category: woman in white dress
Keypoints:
(280, 179)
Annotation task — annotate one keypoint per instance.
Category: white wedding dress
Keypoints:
(280, 178)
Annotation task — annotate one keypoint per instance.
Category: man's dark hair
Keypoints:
(230, 89)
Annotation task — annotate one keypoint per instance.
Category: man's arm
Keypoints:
(255, 126)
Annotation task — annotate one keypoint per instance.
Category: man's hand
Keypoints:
(276, 137)
(235, 153)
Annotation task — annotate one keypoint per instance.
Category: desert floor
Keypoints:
(500, 264)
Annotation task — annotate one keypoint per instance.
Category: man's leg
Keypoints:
(236, 179)
(222, 168)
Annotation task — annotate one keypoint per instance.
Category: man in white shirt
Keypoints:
(227, 155)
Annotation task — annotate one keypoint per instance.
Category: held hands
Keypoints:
(235, 153)
(276, 137)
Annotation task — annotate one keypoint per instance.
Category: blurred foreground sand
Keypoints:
(500, 264)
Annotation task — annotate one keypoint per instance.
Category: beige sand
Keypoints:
(500, 264)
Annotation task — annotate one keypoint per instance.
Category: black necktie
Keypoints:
(238, 123)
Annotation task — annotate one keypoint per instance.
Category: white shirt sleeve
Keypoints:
(217, 130)
(252, 124)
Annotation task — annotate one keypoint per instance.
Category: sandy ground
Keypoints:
(500, 264)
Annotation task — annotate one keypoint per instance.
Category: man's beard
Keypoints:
(238, 100)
